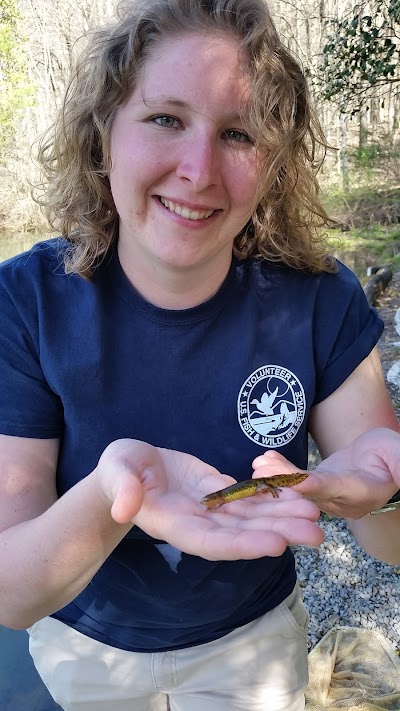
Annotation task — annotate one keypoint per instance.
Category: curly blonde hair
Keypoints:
(75, 152)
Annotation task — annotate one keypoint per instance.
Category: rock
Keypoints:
(397, 321)
(377, 283)
(393, 375)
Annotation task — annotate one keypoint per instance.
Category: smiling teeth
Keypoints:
(184, 211)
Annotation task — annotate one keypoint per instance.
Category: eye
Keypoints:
(165, 121)
(235, 136)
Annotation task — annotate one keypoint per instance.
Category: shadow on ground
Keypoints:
(21, 688)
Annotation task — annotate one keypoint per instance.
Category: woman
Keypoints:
(188, 320)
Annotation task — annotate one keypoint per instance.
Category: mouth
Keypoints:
(186, 212)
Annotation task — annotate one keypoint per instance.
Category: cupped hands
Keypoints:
(160, 490)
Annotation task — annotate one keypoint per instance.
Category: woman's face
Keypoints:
(184, 171)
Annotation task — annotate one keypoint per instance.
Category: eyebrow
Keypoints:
(174, 102)
(170, 100)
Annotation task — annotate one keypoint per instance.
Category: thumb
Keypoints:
(274, 463)
(128, 499)
(319, 486)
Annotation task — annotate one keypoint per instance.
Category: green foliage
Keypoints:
(367, 156)
(361, 52)
(370, 245)
(368, 222)
(8, 12)
(368, 203)
(16, 92)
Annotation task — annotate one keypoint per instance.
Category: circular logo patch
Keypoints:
(271, 406)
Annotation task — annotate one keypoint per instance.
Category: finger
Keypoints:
(128, 500)
(275, 462)
(320, 486)
(216, 543)
(296, 531)
(352, 494)
(235, 544)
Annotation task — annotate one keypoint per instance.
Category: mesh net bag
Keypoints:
(354, 669)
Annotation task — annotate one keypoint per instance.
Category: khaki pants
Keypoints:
(261, 666)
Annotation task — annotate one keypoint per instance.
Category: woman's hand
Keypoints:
(351, 482)
(160, 490)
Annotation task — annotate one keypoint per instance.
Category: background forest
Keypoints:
(349, 50)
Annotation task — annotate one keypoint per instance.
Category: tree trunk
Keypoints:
(343, 153)
(378, 282)
(363, 130)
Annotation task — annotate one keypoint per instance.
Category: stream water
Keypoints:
(12, 243)
(16, 242)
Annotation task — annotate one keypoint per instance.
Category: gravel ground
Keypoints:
(342, 585)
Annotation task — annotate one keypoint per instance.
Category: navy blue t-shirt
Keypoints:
(92, 362)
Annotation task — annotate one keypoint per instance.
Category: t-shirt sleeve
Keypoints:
(28, 406)
(346, 329)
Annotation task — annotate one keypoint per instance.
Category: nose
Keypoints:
(198, 163)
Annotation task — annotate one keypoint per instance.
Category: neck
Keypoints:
(171, 287)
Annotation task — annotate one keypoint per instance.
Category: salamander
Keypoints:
(250, 487)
